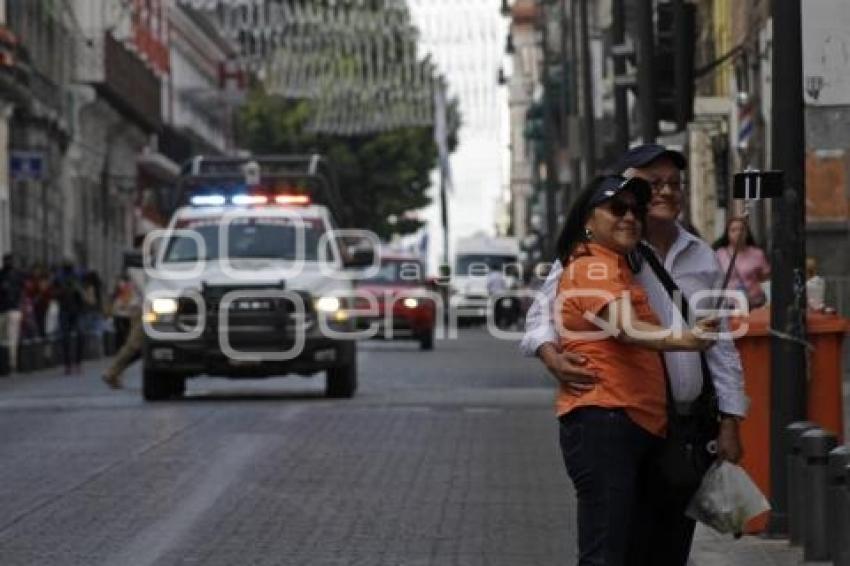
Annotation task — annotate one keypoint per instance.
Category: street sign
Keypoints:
(826, 52)
(26, 165)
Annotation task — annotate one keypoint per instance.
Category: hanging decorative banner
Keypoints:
(355, 59)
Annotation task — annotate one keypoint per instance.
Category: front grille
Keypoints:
(256, 322)
(213, 295)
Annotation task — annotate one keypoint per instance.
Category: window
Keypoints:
(250, 238)
(397, 272)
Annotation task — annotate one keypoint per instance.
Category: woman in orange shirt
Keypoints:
(604, 314)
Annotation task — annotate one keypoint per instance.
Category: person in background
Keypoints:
(29, 324)
(124, 299)
(92, 315)
(496, 287)
(43, 294)
(132, 348)
(68, 290)
(815, 286)
(751, 265)
(11, 288)
(664, 534)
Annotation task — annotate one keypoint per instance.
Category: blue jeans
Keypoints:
(604, 452)
(663, 534)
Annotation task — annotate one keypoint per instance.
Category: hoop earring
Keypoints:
(588, 234)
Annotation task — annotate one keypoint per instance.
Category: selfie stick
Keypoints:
(751, 185)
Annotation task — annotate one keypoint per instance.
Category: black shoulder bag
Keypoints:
(690, 446)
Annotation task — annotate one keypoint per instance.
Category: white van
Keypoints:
(475, 257)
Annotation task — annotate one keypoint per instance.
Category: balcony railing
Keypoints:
(130, 84)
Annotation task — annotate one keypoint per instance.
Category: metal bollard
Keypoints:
(26, 356)
(796, 468)
(817, 443)
(35, 354)
(58, 349)
(88, 349)
(843, 558)
(46, 353)
(838, 520)
(49, 353)
(39, 359)
(4, 360)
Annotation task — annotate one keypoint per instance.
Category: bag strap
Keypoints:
(684, 307)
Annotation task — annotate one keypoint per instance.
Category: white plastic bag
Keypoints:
(727, 499)
(51, 318)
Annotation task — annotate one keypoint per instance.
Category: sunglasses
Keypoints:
(619, 208)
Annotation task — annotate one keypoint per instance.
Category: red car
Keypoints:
(405, 311)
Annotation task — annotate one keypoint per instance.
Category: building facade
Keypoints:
(523, 87)
(99, 103)
(39, 66)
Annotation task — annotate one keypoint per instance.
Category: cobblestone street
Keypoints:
(444, 458)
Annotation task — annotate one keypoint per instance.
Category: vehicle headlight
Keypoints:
(328, 304)
(411, 303)
(164, 305)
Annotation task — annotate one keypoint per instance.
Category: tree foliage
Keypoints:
(383, 177)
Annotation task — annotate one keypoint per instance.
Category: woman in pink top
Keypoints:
(751, 265)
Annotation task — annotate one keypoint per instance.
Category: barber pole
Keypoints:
(746, 123)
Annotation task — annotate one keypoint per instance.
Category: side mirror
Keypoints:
(359, 259)
(445, 275)
(133, 259)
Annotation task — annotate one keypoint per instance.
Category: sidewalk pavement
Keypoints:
(713, 549)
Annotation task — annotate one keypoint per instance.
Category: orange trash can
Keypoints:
(825, 398)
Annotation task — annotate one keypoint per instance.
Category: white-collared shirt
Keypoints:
(694, 267)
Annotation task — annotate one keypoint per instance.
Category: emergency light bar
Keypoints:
(208, 200)
(246, 200)
(292, 199)
(249, 199)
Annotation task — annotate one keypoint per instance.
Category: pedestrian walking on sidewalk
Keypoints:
(11, 288)
(69, 294)
(131, 350)
(661, 534)
(123, 298)
(751, 265)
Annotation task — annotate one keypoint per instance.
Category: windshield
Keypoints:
(481, 264)
(248, 238)
(397, 272)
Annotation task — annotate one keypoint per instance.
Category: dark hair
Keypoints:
(572, 234)
(723, 240)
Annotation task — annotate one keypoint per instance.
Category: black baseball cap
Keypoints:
(612, 185)
(642, 155)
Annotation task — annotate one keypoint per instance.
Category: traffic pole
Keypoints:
(621, 109)
(587, 95)
(788, 283)
(646, 70)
